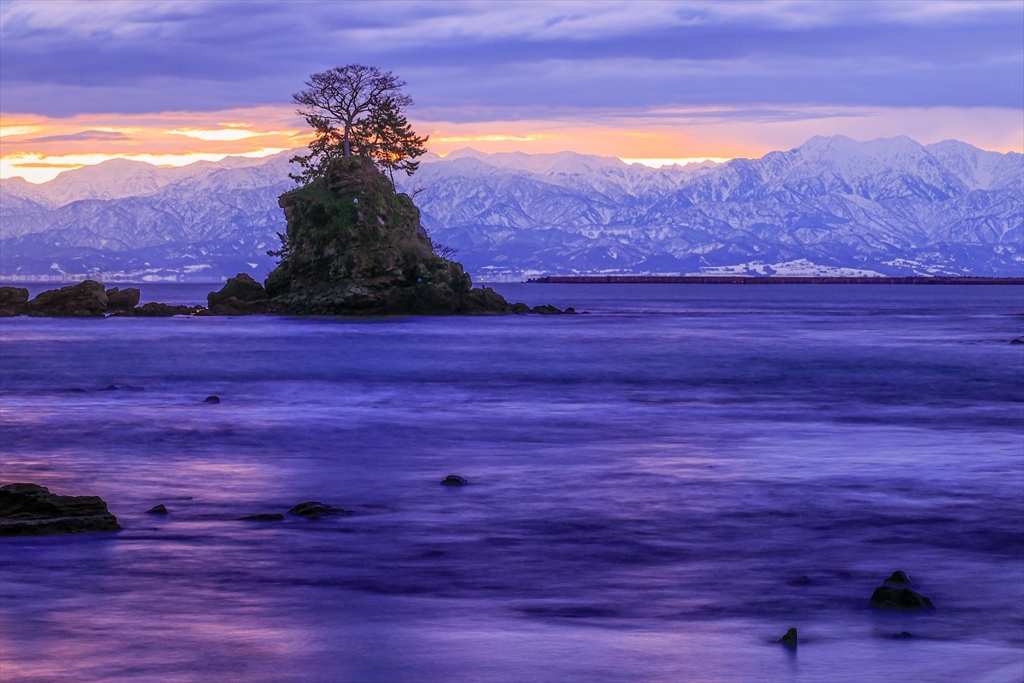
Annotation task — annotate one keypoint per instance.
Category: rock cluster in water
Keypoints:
(31, 510)
(896, 594)
(354, 247)
(88, 299)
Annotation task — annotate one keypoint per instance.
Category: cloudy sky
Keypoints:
(175, 81)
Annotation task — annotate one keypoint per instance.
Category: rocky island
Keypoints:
(354, 246)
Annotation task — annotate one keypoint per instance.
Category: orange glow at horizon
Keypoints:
(37, 148)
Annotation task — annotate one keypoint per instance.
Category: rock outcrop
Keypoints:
(240, 295)
(12, 301)
(87, 299)
(907, 599)
(31, 510)
(122, 299)
(354, 246)
(154, 309)
(790, 638)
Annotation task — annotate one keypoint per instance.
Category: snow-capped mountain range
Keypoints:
(831, 206)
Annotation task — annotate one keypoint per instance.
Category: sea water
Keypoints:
(658, 489)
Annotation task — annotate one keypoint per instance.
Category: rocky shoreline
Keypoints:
(354, 247)
(242, 295)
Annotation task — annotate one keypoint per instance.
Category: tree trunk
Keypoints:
(347, 149)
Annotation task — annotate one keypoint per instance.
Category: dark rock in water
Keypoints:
(903, 635)
(31, 510)
(158, 310)
(898, 579)
(122, 299)
(12, 301)
(789, 640)
(355, 247)
(519, 308)
(569, 310)
(212, 399)
(314, 509)
(263, 517)
(907, 599)
(123, 387)
(801, 581)
(454, 480)
(240, 295)
(86, 299)
(546, 310)
(1017, 341)
(160, 509)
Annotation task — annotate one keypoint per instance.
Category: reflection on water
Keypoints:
(658, 490)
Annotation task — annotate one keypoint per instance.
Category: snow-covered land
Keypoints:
(832, 206)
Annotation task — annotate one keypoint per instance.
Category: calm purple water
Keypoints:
(658, 490)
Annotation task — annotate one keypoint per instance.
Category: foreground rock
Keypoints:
(31, 510)
(789, 639)
(355, 247)
(905, 599)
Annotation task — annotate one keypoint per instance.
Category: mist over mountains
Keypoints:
(832, 206)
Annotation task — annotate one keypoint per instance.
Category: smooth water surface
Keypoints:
(658, 490)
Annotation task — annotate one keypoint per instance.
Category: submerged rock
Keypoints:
(454, 480)
(314, 509)
(31, 510)
(160, 509)
(902, 635)
(213, 400)
(906, 599)
(263, 517)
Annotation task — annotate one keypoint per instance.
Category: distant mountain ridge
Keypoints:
(832, 206)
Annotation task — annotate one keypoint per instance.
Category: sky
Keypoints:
(176, 81)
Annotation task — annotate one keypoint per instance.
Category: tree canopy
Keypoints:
(358, 110)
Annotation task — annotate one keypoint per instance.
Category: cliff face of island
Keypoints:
(354, 246)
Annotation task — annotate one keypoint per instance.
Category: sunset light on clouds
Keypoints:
(177, 82)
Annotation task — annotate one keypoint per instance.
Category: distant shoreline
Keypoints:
(747, 280)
